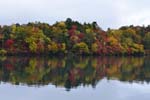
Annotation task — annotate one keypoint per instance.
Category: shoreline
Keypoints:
(76, 54)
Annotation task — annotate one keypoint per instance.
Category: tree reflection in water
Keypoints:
(71, 72)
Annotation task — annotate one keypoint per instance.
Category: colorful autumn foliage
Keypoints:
(9, 43)
(72, 36)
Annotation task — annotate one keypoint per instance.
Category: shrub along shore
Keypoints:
(72, 37)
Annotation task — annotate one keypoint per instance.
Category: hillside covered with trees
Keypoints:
(70, 36)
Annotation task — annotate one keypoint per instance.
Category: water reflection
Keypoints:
(71, 72)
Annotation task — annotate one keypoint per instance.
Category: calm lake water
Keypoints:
(75, 78)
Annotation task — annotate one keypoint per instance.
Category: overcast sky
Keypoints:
(107, 13)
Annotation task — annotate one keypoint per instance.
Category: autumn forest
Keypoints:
(73, 37)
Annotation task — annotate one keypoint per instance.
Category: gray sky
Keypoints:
(108, 13)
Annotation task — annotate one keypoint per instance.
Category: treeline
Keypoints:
(70, 36)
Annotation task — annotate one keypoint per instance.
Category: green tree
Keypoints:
(81, 48)
(146, 41)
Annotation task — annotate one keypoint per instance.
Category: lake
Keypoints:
(75, 78)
